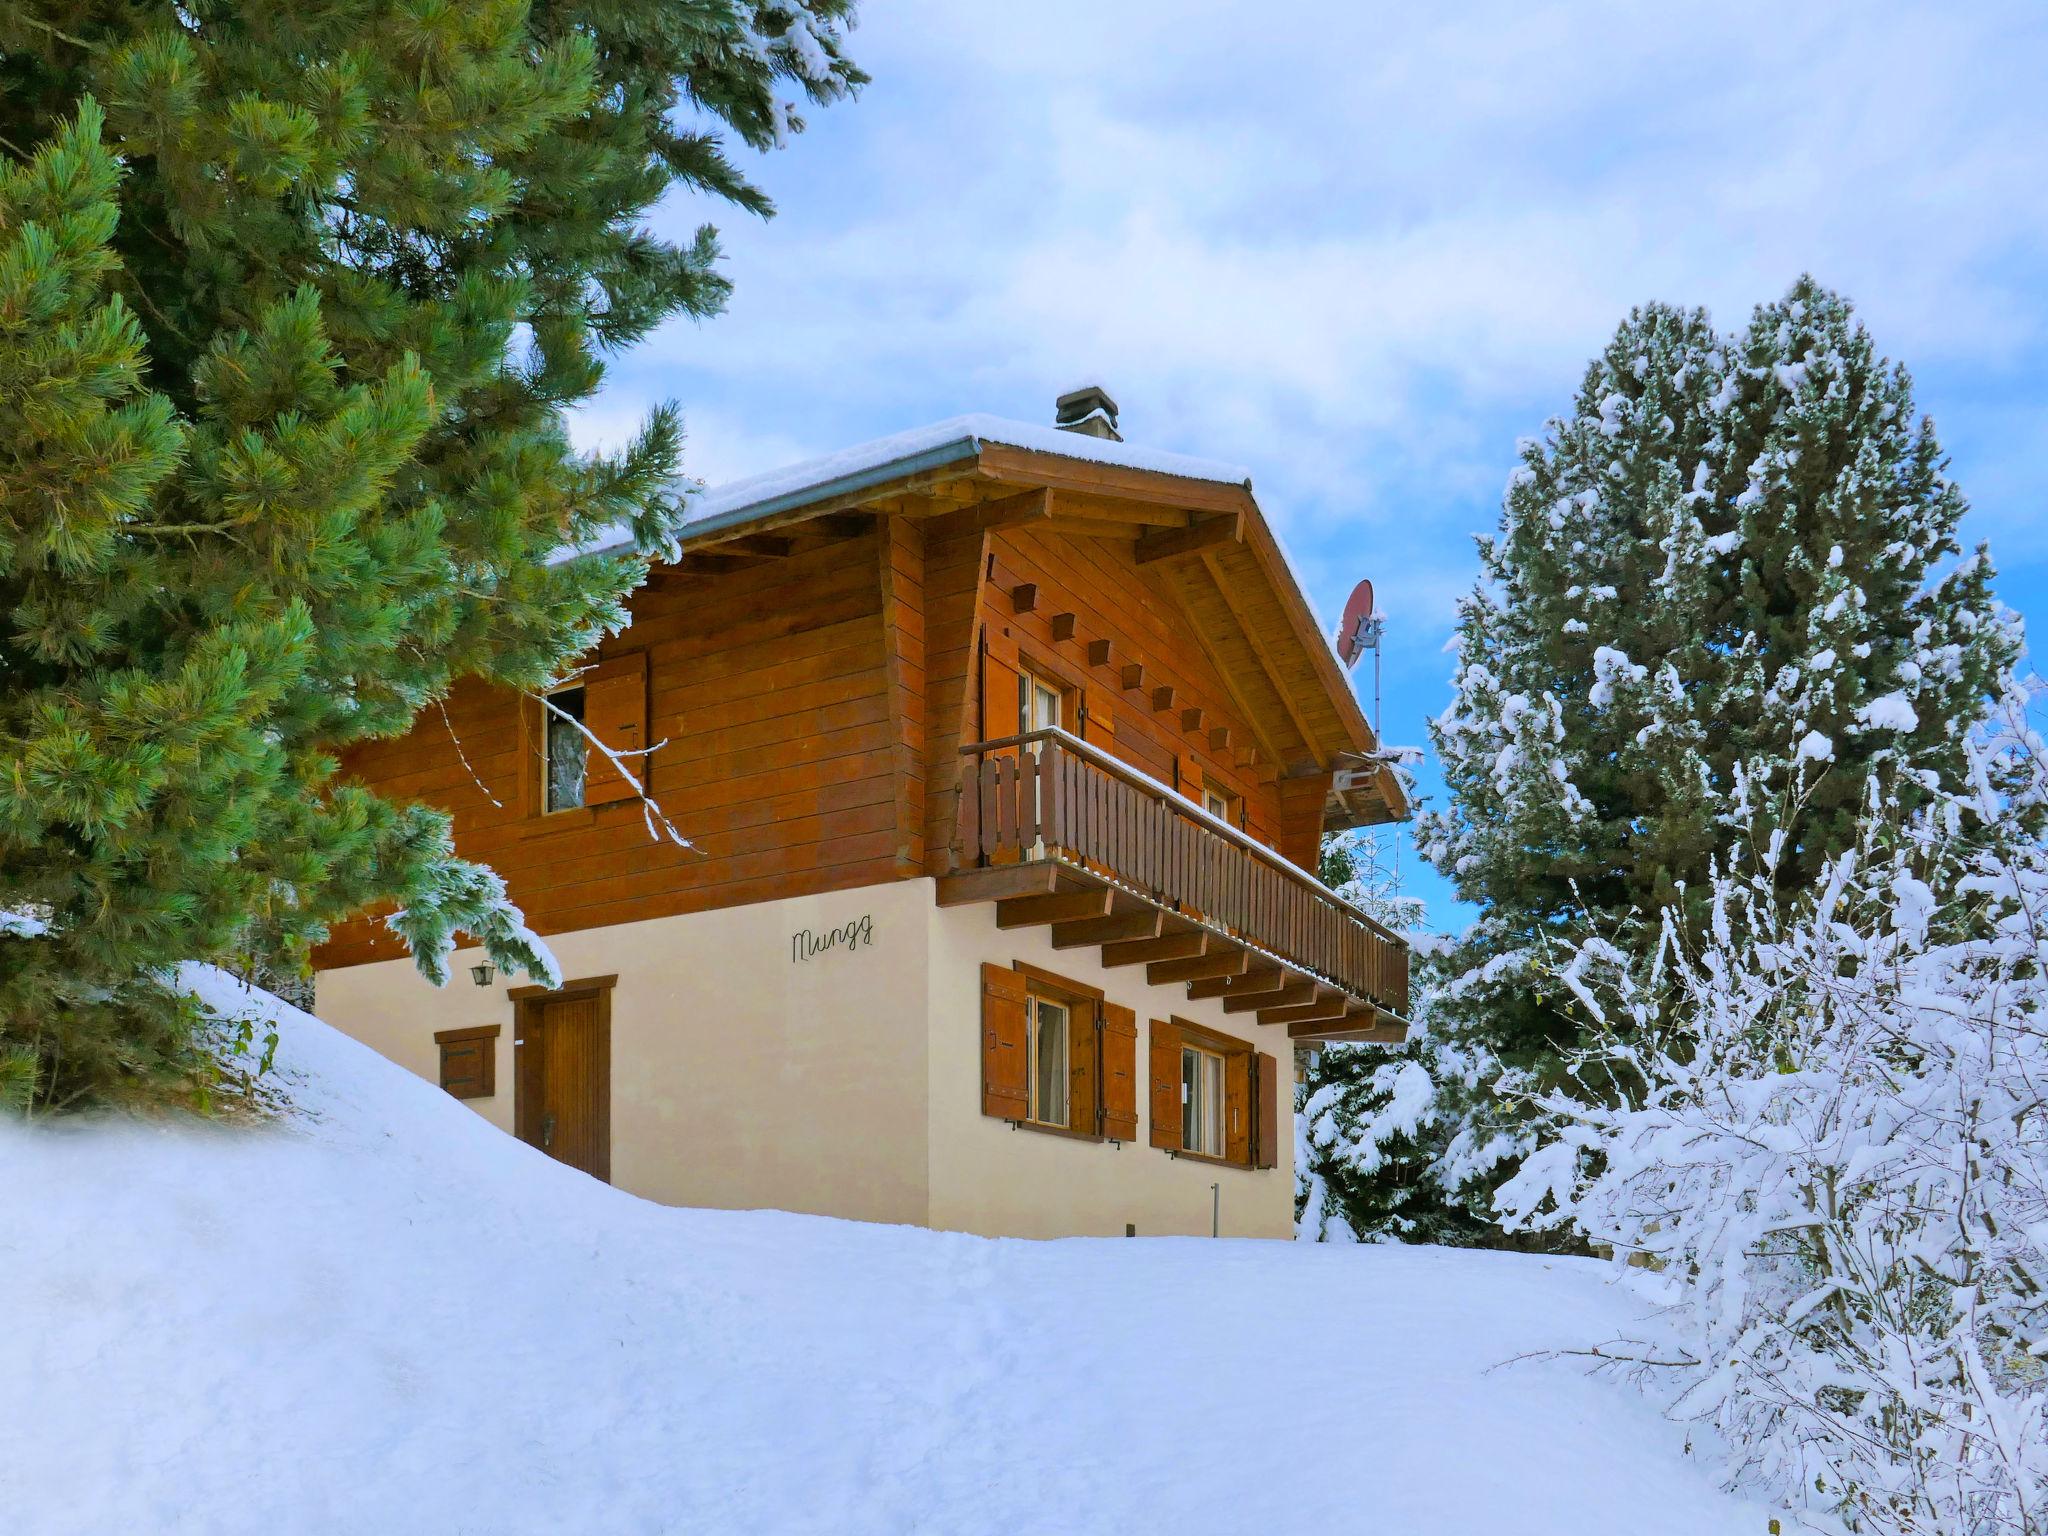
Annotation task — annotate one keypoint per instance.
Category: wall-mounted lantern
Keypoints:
(483, 973)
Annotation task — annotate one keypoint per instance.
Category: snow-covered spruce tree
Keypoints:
(1831, 1173)
(1368, 1134)
(292, 300)
(1729, 555)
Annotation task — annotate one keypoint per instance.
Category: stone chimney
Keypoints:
(1089, 410)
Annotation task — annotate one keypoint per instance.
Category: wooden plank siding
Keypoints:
(789, 717)
(812, 704)
(1133, 608)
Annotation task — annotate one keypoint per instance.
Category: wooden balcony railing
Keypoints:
(1049, 796)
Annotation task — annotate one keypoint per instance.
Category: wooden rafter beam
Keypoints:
(1195, 539)
(1117, 928)
(1325, 1005)
(1059, 907)
(1168, 946)
(1274, 677)
(1257, 980)
(968, 886)
(1291, 995)
(1365, 1026)
(1227, 671)
(1033, 506)
(1229, 961)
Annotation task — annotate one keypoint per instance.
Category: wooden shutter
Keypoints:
(615, 709)
(1005, 1090)
(999, 685)
(1265, 1111)
(1120, 1072)
(1237, 1107)
(1098, 719)
(1165, 1064)
(1083, 1107)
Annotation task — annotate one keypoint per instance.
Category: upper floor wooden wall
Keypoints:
(811, 703)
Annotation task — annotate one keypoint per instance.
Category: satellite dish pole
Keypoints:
(1361, 630)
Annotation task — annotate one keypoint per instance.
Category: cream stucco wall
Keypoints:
(740, 1077)
(845, 1084)
(993, 1177)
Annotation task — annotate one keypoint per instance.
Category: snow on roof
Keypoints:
(943, 442)
(904, 453)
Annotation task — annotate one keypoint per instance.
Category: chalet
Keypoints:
(1006, 751)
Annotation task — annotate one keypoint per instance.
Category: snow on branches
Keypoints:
(1816, 1136)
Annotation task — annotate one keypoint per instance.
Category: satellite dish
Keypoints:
(1359, 630)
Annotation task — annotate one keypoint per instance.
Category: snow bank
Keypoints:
(380, 1314)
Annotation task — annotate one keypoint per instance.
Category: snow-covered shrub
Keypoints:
(1817, 1137)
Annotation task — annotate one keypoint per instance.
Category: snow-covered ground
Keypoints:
(383, 1315)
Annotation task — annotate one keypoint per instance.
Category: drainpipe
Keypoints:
(1215, 1210)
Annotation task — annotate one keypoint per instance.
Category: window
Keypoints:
(568, 752)
(1049, 1023)
(1057, 1055)
(1201, 1090)
(1038, 704)
(1220, 804)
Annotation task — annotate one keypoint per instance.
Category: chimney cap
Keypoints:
(1088, 410)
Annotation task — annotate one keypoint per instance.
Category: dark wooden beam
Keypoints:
(1191, 719)
(1024, 597)
(965, 887)
(1168, 946)
(1117, 928)
(1295, 992)
(1366, 1027)
(769, 546)
(1162, 700)
(1219, 738)
(1063, 626)
(1227, 962)
(1173, 543)
(1098, 653)
(1060, 907)
(1003, 512)
(1264, 978)
(1133, 676)
(1326, 1005)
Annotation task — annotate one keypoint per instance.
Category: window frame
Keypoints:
(1201, 1053)
(1035, 999)
(550, 722)
(1031, 679)
(1083, 1005)
(1226, 1048)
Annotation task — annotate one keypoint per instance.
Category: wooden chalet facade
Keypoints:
(1006, 752)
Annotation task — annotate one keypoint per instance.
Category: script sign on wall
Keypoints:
(809, 943)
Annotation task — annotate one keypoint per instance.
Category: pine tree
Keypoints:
(1369, 1132)
(1720, 574)
(292, 302)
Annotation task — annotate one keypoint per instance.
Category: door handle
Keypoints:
(547, 1132)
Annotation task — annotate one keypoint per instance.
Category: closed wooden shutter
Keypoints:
(1165, 1065)
(999, 687)
(1266, 1111)
(615, 709)
(1083, 1106)
(1237, 1107)
(1005, 1089)
(1098, 719)
(1119, 1073)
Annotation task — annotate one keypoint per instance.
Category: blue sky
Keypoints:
(1361, 249)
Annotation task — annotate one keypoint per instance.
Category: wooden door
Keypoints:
(562, 1055)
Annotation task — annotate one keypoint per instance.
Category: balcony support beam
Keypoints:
(1116, 928)
(1060, 907)
(1263, 978)
(1228, 961)
(1170, 946)
(1289, 996)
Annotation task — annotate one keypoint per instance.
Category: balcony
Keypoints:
(1057, 831)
